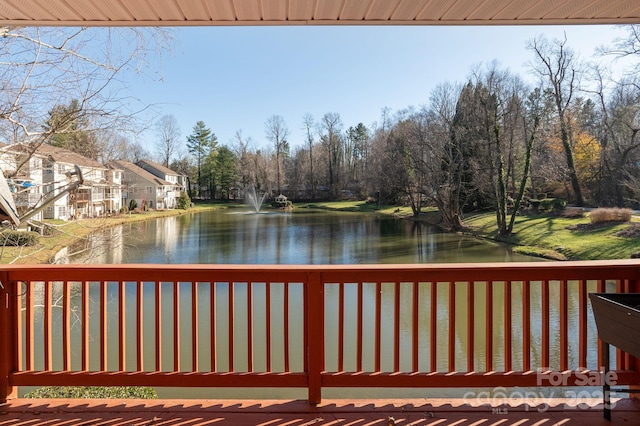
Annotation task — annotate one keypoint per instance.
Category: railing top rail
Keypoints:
(588, 270)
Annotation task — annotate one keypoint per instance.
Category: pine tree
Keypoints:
(201, 143)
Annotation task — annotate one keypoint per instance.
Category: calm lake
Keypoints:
(237, 236)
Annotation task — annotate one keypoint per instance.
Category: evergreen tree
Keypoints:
(201, 143)
(69, 126)
(226, 170)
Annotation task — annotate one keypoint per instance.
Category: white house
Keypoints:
(146, 188)
(98, 195)
(24, 177)
(38, 175)
(164, 173)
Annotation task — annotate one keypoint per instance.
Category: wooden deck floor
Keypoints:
(24, 412)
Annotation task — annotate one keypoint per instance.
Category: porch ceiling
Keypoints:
(315, 12)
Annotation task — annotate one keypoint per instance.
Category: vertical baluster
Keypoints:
(378, 341)
(66, 326)
(249, 327)
(600, 288)
(212, 329)
(85, 327)
(287, 367)
(507, 327)
(122, 329)
(194, 327)
(46, 325)
(526, 326)
(415, 328)
(433, 335)
(545, 324)
(139, 327)
(582, 321)
(29, 331)
(619, 361)
(104, 320)
(340, 326)
(452, 326)
(396, 327)
(176, 326)
(267, 290)
(564, 326)
(158, 321)
(20, 324)
(488, 331)
(360, 326)
(231, 314)
(470, 330)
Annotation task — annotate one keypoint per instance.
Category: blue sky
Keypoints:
(235, 78)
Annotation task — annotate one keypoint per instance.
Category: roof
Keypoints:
(129, 166)
(158, 167)
(56, 154)
(315, 12)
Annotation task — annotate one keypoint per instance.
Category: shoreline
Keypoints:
(546, 236)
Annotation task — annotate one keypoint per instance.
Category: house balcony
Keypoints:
(26, 199)
(473, 327)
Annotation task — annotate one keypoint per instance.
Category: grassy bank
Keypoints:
(61, 234)
(561, 238)
(548, 236)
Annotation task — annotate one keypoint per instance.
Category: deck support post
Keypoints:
(7, 336)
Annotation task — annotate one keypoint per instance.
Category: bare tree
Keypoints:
(330, 129)
(43, 68)
(308, 126)
(168, 136)
(277, 133)
(557, 64)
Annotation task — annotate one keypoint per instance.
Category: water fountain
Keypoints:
(255, 201)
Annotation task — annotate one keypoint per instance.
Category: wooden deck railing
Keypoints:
(314, 327)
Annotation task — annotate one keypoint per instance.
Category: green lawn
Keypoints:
(550, 236)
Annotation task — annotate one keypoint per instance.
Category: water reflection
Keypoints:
(300, 237)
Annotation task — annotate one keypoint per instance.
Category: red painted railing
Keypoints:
(314, 327)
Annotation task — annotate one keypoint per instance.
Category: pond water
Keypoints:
(235, 236)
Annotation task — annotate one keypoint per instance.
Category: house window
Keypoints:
(60, 168)
(62, 211)
(149, 189)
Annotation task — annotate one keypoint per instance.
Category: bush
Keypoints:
(573, 212)
(133, 204)
(19, 238)
(124, 210)
(602, 215)
(184, 202)
(555, 205)
(116, 392)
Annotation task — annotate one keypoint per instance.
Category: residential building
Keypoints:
(145, 188)
(164, 173)
(46, 171)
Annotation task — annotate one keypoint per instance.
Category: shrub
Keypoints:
(133, 204)
(116, 392)
(555, 205)
(19, 238)
(184, 202)
(573, 212)
(124, 209)
(602, 215)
